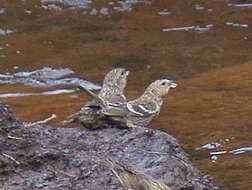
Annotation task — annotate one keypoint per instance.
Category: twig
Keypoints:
(15, 138)
(110, 164)
(4, 187)
(116, 174)
(11, 158)
(41, 122)
(150, 152)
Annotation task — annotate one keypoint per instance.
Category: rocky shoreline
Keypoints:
(43, 157)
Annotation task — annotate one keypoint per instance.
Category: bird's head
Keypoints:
(117, 78)
(161, 87)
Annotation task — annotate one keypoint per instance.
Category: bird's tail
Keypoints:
(71, 118)
(96, 98)
(67, 120)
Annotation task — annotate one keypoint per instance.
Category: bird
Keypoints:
(112, 89)
(141, 111)
(111, 93)
(132, 179)
(113, 86)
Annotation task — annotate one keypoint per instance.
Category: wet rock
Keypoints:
(46, 77)
(57, 4)
(89, 6)
(42, 157)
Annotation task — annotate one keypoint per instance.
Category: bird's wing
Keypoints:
(115, 110)
(132, 108)
(143, 109)
(96, 98)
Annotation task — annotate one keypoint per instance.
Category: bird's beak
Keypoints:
(173, 84)
(127, 72)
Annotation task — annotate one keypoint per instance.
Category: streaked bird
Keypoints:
(141, 111)
(113, 86)
(132, 179)
(111, 93)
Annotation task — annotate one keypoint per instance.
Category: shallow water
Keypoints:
(205, 45)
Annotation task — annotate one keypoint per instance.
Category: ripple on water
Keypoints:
(165, 12)
(199, 7)
(188, 28)
(241, 5)
(51, 92)
(211, 145)
(213, 153)
(28, 12)
(241, 150)
(236, 24)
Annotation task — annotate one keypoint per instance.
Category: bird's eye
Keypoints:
(126, 72)
(163, 83)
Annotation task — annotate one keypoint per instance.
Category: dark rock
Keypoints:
(64, 158)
